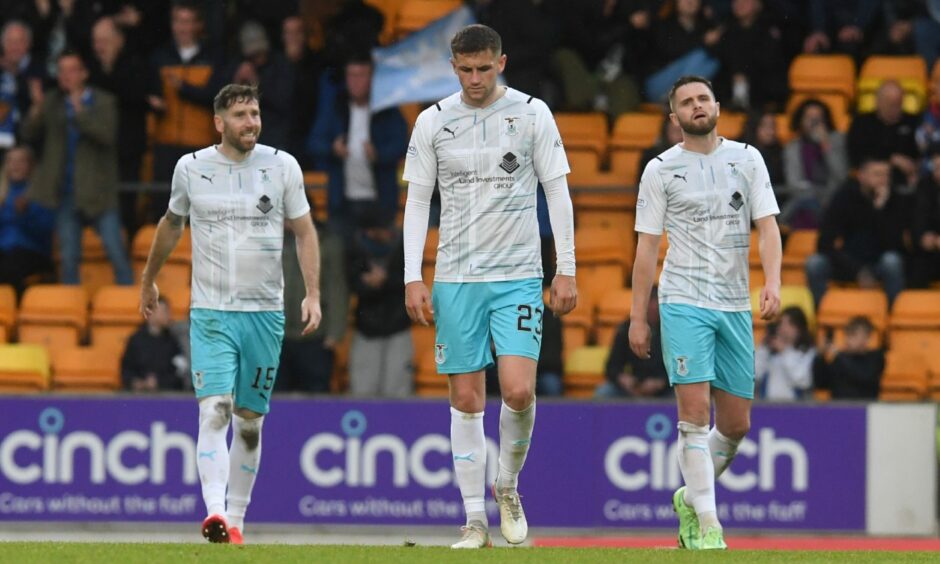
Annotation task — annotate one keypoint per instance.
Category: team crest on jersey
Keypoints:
(440, 353)
(510, 163)
(682, 365)
(264, 175)
(734, 168)
(511, 127)
(198, 380)
(737, 200)
(264, 204)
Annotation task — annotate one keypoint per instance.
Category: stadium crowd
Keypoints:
(99, 96)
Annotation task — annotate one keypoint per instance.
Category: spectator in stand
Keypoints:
(840, 26)
(529, 29)
(888, 133)
(927, 33)
(854, 371)
(380, 358)
(25, 226)
(669, 134)
(123, 74)
(307, 360)
(153, 359)
(895, 35)
(871, 220)
(359, 150)
(355, 28)
(63, 25)
(184, 81)
(78, 173)
(761, 131)
(629, 376)
(681, 45)
(815, 164)
(273, 74)
(925, 263)
(591, 60)
(308, 66)
(928, 134)
(21, 79)
(548, 372)
(753, 71)
(784, 361)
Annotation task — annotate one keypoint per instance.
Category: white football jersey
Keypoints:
(706, 204)
(236, 214)
(487, 163)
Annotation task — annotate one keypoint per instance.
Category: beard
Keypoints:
(235, 140)
(695, 128)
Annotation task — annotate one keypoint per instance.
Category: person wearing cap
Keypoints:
(274, 76)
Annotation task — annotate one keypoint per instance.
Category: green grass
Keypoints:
(99, 553)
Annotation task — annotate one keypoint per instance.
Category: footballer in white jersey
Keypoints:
(239, 196)
(704, 193)
(486, 148)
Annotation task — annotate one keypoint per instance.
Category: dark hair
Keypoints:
(359, 58)
(753, 124)
(475, 38)
(859, 323)
(69, 52)
(191, 5)
(688, 79)
(233, 93)
(797, 317)
(797, 117)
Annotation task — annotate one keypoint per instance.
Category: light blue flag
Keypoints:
(417, 68)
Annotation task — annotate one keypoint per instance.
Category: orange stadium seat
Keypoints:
(799, 246)
(585, 166)
(905, 377)
(7, 312)
(823, 73)
(612, 310)
(583, 131)
(179, 299)
(784, 135)
(53, 315)
(176, 270)
(731, 125)
(23, 368)
(625, 164)
(417, 14)
(841, 304)
(389, 9)
(637, 131)
(916, 309)
(86, 369)
(115, 315)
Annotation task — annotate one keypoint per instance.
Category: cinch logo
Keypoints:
(328, 460)
(652, 463)
(27, 457)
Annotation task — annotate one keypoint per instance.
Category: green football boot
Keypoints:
(714, 540)
(690, 535)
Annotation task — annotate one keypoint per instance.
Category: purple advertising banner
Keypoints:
(389, 462)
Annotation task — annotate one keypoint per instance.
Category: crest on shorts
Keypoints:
(737, 200)
(511, 127)
(264, 204)
(510, 163)
(440, 355)
(198, 381)
(682, 365)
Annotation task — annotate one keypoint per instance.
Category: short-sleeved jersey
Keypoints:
(236, 214)
(705, 203)
(487, 163)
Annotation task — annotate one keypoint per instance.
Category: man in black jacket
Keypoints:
(862, 235)
(153, 358)
(380, 359)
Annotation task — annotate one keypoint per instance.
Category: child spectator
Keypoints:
(854, 371)
(784, 361)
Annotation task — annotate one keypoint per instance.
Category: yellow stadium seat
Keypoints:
(86, 369)
(909, 71)
(23, 368)
(583, 131)
(584, 370)
(798, 296)
(636, 131)
(823, 73)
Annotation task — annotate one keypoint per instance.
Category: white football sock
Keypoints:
(246, 457)
(468, 445)
(722, 449)
(212, 460)
(515, 434)
(698, 472)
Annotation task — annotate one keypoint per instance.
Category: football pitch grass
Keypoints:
(97, 553)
